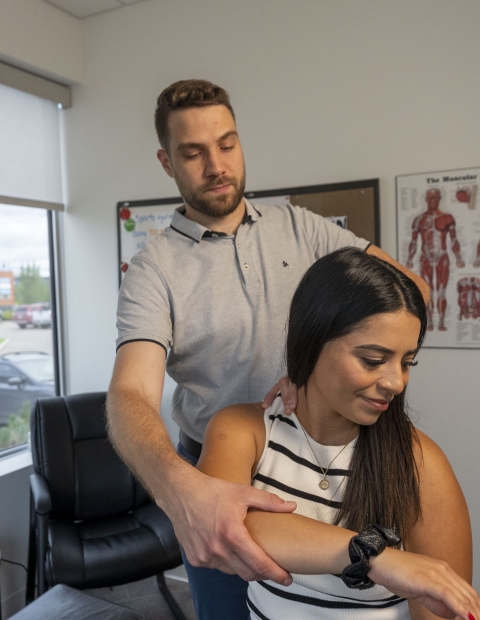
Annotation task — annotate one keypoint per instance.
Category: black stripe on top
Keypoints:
(278, 447)
(255, 609)
(184, 234)
(310, 600)
(143, 340)
(283, 487)
(282, 419)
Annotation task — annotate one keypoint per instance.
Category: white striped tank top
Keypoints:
(287, 468)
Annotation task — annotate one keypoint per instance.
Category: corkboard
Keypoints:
(354, 203)
(357, 200)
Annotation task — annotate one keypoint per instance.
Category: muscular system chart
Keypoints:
(438, 237)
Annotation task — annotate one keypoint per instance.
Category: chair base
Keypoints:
(169, 598)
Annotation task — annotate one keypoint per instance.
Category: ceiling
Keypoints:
(86, 8)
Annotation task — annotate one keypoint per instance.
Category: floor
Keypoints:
(145, 597)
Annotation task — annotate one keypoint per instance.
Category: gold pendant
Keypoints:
(324, 484)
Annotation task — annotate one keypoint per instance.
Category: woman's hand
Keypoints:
(433, 583)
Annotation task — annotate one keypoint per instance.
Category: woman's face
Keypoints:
(357, 376)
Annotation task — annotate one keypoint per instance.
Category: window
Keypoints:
(30, 192)
(27, 351)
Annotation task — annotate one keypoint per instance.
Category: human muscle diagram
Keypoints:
(469, 298)
(434, 227)
(439, 238)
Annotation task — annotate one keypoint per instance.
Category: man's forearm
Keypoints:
(422, 285)
(419, 281)
(140, 437)
(136, 428)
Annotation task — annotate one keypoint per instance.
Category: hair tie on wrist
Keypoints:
(370, 542)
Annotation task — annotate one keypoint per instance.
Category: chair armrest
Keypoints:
(40, 494)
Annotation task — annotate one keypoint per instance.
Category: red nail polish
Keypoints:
(470, 616)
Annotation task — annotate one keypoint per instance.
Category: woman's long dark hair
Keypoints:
(335, 295)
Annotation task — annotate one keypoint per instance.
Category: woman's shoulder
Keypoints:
(425, 449)
(239, 415)
(238, 423)
(443, 530)
(431, 461)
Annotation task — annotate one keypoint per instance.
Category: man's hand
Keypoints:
(419, 281)
(207, 513)
(431, 582)
(288, 390)
(208, 516)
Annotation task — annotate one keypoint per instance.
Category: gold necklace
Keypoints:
(323, 484)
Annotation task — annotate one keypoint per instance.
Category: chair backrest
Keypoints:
(71, 450)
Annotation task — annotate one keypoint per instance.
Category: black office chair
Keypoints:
(91, 522)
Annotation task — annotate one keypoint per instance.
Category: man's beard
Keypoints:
(212, 205)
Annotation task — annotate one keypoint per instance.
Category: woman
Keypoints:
(350, 457)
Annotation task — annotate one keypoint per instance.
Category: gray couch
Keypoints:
(65, 603)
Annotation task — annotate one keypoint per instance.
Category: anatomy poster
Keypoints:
(438, 237)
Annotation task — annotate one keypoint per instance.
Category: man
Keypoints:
(433, 226)
(213, 289)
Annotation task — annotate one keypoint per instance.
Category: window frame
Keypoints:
(57, 339)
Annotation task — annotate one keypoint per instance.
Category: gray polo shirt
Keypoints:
(219, 303)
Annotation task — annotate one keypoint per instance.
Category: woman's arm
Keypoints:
(233, 445)
(444, 531)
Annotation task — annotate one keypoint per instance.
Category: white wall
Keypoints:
(37, 36)
(323, 92)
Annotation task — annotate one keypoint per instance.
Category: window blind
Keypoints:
(30, 164)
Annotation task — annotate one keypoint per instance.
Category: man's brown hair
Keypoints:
(186, 94)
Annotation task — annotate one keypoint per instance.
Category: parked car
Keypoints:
(24, 376)
(38, 315)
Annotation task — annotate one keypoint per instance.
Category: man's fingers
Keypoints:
(259, 564)
(270, 397)
(288, 392)
(289, 395)
(242, 557)
(255, 498)
(236, 565)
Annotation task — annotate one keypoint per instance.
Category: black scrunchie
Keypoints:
(370, 542)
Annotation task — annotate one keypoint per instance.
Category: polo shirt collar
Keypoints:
(252, 212)
(196, 231)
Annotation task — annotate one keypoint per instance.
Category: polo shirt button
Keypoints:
(214, 235)
(238, 245)
(246, 267)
